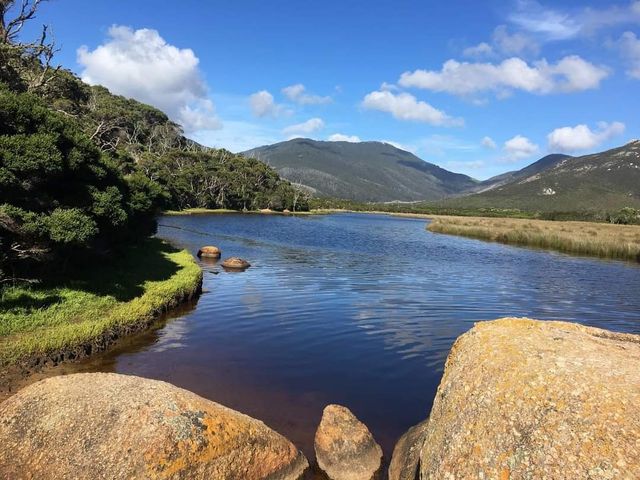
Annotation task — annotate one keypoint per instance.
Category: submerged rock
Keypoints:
(406, 454)
(345, 448)
(235, 263)
(103, 425)
(209, 252)
(527, 399)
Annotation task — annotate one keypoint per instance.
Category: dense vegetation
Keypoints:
(84, 172)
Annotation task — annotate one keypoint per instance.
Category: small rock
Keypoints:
(406, 454)
(345, 448)
(105, 425)
(209, 252)
(286, 211)
(235, 263)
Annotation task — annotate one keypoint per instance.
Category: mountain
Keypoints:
(532, 169)
(364, 171)
(605, 181)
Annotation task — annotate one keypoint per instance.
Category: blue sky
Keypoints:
(476, 87)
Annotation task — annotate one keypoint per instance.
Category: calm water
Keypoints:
(353, 309)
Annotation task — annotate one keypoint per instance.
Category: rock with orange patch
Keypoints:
(525, 399)
(104, 425)
(209, 252)
(345, 448)
(406, 454)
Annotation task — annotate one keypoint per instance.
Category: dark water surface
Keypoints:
(359, 310)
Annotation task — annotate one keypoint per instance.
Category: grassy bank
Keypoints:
(580, 238)
(89, 309)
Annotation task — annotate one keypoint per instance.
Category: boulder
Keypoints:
(406, 454)
(209, 252)
(345, 448)
(286, 211)
(104, 425)
(235, 263)
(525, 399)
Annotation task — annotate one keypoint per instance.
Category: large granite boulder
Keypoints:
(345, 448)
(524, 399)
(406, 454)
(102, 425)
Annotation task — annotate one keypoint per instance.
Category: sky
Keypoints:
(477, 87)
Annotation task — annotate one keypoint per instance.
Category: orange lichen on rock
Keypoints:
(128, 427)
(523, 398)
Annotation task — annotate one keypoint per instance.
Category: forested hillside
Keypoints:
(82, 170)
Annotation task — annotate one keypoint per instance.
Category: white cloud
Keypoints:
(305, 128)
(401, 146)
(297, 93)
(481, 50)
(581, 137)
(488, 142)
(141, 65)
(339, 137)
(238, 136)
(263, 105)
(519, 147)
(503, 43)
(555, 24)
(513, 43)
(404, 106)
(629, 45)
(570, 74)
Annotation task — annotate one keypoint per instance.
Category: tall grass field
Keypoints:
(579, 238)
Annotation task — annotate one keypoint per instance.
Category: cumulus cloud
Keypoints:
(305, 128)
(263, 105)
(339, 137)
(503, 43)
(488, 142)
(405, 106)
(298, 93)
(561, 24)
(570, 74)
(519, 147)
(581, 137)
(142, 65)
(629, 45)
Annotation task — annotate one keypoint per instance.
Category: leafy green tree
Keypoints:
(58, 191)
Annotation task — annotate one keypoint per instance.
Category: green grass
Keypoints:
(103, 301)
(580, 238)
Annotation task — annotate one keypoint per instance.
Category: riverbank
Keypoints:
(55, 321)
(217, 211)
(602, 240)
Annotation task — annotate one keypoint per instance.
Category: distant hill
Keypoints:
(508, 177)
(365, 171)
(604, 181)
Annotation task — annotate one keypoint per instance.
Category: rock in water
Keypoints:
(345, 449)
(235, 263)
(406, 454)
(104, 425)
(209, 252)
(526, 399)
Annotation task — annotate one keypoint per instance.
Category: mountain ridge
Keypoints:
(363, 171)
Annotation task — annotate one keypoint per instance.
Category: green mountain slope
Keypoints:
(508, 177)
(365, 171)
(604, 181)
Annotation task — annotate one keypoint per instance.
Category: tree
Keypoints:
(58, 193)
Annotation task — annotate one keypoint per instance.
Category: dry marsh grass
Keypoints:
(580, 238)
